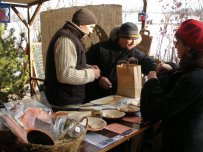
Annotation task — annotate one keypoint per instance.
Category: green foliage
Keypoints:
(13, 75)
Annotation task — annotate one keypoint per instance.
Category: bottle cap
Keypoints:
(77, 129)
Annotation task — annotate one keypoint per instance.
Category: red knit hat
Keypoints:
(191, 31)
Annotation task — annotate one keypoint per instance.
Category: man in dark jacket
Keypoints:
(66, 72)
(120, 46)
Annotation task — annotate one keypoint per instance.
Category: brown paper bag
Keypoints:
(145, 44)
(129, 80)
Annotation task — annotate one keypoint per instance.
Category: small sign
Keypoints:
(4, 13)
(142, 16)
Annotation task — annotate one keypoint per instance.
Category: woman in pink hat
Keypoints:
(174, 93)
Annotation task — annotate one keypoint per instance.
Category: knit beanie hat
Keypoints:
(128, 29)
(84, 17)
(191, 32)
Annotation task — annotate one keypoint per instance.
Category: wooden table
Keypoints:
(140, 128)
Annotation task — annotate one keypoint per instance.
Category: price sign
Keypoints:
(142, 16)
(4, 13)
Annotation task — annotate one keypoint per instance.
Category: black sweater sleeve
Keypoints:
(147, 63)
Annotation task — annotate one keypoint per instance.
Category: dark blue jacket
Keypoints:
(106, 56)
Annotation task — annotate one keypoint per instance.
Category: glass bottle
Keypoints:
(65, 127)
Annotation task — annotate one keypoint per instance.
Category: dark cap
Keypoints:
(84, 17)
(129, 29)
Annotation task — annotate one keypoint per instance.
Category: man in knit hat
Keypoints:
(120, 46)
(66, 72)
(173, 95)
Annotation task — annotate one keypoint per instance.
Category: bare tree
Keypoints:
(173, 14)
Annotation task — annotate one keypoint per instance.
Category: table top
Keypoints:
(124, 128)
(115, 132)
(132, 122)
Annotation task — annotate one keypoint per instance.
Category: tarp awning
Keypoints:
(24, 2)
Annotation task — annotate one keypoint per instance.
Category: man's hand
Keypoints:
(96, 70)
(105, 83)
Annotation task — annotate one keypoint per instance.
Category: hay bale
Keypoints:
(108, 16)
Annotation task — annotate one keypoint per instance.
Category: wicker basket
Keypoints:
(66, 146)
(12, 143)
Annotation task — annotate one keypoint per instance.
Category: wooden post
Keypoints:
(28, 24)
(144, 11)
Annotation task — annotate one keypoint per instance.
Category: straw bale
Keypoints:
(108, 16)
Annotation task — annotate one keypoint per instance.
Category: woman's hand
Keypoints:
(163, 67)
(151, 75)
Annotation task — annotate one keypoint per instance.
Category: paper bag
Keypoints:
(129, 80)
(145, 44)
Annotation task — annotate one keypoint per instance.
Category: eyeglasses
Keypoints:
(175, 42)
